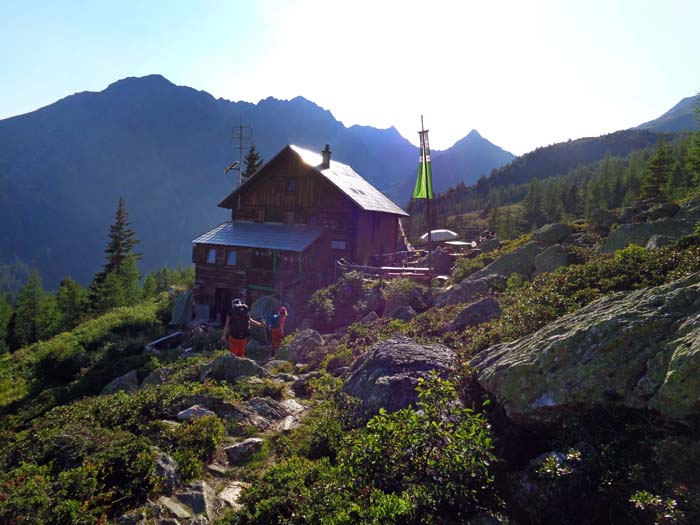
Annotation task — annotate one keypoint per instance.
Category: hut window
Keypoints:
(211, 256)
(231, 257)
(339, 245)
(292, 186)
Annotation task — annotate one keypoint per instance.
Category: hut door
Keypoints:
(222, 303)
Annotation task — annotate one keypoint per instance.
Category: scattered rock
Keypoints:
(284, 377)
(242, 452)
(476, 313)
(551, 258)
(301, 348)
(657, 211)
(232, 494)
(468, 290)
(602, 220)
(415, 297)
(257, 351)
(552, 233)
(657, 241)
(174, 508)
(194, 412)
(521, 260)
(637, 349)
(302, 386)
(230, 368)
(128, 383)
(387, 375)
(277, 364)
(167, 469)
(199, 497)
(404, 313)
(268, 408)
(218, 470)
(157, 377)
(292, 406)
(369, 318)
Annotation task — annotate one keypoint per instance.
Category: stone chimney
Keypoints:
(326, 158)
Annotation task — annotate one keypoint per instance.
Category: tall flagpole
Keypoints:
(427, 194)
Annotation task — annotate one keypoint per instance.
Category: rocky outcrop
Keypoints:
(302, 347)
(552, 233)
(468, 290)
(476, 313)
(657, 241)
(199, 497)
(387, 375)
(640, 233)
(128, 383)
(638, 350)
(194, 412)
(521, 260)
(551, 258)
(157, 377)
(230, 368)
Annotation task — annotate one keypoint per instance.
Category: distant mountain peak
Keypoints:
(154, 79)
(474, 134)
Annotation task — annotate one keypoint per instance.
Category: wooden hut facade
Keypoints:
(290, 222)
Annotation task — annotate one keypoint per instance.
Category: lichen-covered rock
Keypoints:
(387, 375)
(231, 494)
(243, 451)
(302, 347)
(404, 313)
(640, 233)
(476, 313)
(637, 350)
(521, 260)
(167, 469)
(552, 233)
(194, 412)
(128, 383)
(157, 377)
(230, 368)
(551, 258)
(657, 241)
(468, 290)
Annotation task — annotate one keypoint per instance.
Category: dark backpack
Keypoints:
(274, 321)
(239, 321)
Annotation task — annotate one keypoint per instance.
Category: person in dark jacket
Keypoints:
(237, 327)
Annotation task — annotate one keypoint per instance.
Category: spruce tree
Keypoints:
(121, 240)
(253, 160)
(48, 317)
(27, 310)
(658, 169)
(5, 317)
(72, 302)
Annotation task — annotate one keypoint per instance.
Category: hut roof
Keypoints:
(341, 176)
(273, 236)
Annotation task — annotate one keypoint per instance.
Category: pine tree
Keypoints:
(48, 319)
(27, 310)
(658, 169)
(253, 160)
(150, 286)
(72, 302)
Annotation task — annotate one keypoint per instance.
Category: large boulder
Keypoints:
(640, 233)
(302, 347)
(468, 290)
(387, 375)
(521, 260)
(602, 220)
(476, 313)
(199, 497)
(403, 313)
(243, 451)
(230, 368)
(552, 233)
(157, 377)
(128, 383)
(638, 350)
(551, 258)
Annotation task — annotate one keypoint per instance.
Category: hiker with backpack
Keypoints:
(277, 322)
(237, 327)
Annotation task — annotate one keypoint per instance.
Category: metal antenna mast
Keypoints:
(242, 139)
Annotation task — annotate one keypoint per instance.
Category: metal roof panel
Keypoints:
(274, 236)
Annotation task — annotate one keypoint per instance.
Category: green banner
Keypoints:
(424, 182)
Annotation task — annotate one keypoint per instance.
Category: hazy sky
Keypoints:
(523, 73)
